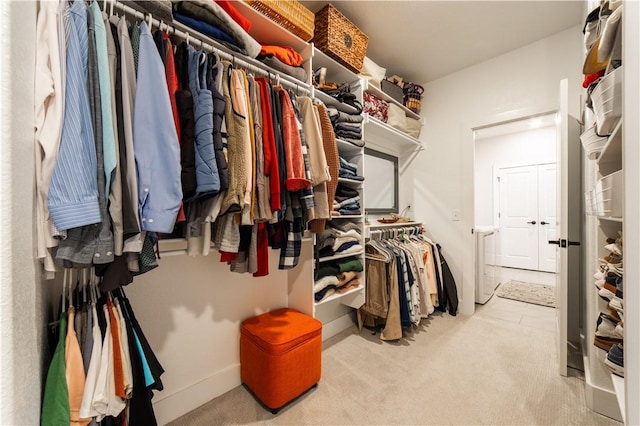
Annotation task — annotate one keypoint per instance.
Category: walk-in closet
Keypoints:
(312, 212)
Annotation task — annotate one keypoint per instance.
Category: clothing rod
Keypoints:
(206, 43)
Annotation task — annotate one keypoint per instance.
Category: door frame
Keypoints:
(467, 306)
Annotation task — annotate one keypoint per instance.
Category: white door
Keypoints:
(568, 222)
(518, 217)
(547, 256)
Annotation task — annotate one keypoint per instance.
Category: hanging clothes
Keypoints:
(401, 281)
(122, 369)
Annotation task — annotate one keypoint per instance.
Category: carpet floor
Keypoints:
(451, 370)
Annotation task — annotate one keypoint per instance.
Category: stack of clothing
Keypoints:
(334, 241)
(347, 127)
(283, 59)
(220, 21)
(346, 201)
(348, 170)
(337, 277)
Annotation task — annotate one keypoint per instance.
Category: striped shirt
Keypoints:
(73, 193)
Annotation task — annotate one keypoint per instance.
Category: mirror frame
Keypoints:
(394, 160)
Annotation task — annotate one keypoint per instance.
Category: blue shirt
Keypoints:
(73, 192)
(155, 142)
(108, 136)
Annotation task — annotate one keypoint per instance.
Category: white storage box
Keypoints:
(592, 143)
(607, 101)
(609, 192)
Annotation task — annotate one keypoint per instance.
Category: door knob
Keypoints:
(556, 242)
(544, 223)
(533, 222)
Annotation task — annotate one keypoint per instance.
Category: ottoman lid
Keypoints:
(278, 331)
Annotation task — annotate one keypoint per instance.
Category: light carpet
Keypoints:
(452, 370)
(538, 294)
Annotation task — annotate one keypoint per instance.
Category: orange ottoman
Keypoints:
(280, 355)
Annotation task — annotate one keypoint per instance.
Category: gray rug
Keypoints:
(537, 294)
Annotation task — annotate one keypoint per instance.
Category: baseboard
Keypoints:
(336, 326)
(170, 407)
(597, 398)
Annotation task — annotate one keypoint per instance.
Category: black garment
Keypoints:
(140, 407)
(154, 365)
(130, 225)
(219, 105)
(346, 191)
(450, 291)
(114, 274)
(184, 103)
(276, 112)
(158, 39)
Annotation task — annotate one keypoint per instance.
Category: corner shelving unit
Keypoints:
(604, 391)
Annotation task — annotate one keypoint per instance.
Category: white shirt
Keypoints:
(49, 114)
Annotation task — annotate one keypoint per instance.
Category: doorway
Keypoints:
(527, 216)
(515, 189)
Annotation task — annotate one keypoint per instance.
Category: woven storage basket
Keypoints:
(290, 14)
(339, 38)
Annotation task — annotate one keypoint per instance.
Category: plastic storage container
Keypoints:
(607, 102)
(592, 143)
(609, 192)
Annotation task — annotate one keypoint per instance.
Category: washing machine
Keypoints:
(487, 268)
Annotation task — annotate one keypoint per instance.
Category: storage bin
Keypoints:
(592, 143)
(609, 193)
(339, 38)
(607, 102)
(413, 96)
(280, 355)
(289, 14)
(392, 89)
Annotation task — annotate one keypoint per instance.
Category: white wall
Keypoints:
(190, 310)
(533, 146)
(526, 79)
(21, 309)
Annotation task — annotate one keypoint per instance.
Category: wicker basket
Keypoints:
(290, 14)
(339, 38)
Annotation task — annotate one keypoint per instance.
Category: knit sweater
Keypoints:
(331, 153)
(236, 146)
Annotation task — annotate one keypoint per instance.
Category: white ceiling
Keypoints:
(538, 122)
(422, 40)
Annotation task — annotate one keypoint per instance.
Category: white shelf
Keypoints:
(347, 216)
(346, 294)
(348, 149)
(618, 386)
(339, 256)
(350, 181)
(392, 225)
(266, 31)
(610, 159)
(380, 94)
(381, 134)
(251, 61)
(331, 101)
(611, 219)
(336, 72)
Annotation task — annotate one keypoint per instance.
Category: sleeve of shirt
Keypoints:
(73, 192)
(155, 142)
